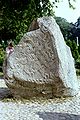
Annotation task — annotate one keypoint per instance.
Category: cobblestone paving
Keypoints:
(51, 109)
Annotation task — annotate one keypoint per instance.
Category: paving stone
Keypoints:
(52, 109)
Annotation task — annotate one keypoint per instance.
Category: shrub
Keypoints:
(2, 55)
(78, 63)
(75, 52)
(74, 48)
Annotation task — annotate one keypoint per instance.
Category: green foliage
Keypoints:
(64, 26)
(2, 55)
(78, 71)
(68, 30)
(70, 4)
(16, 16)
(74, 48)
(14, 26)
(79, 49)
(75, 52)
(78, 63)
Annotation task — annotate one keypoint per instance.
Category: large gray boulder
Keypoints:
(41, 64)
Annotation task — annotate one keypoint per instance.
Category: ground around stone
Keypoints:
(38, 109)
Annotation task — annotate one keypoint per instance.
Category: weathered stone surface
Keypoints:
(42, 64)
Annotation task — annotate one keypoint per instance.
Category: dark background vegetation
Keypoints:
(17, 15)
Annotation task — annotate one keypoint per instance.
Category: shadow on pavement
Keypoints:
(57, 116)
(5, 93)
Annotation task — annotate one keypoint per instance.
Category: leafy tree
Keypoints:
(70, 32)
(65, 27)
(2, 55)
(75, 31)
(74, 48)
(77, 24)
(16, 16)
